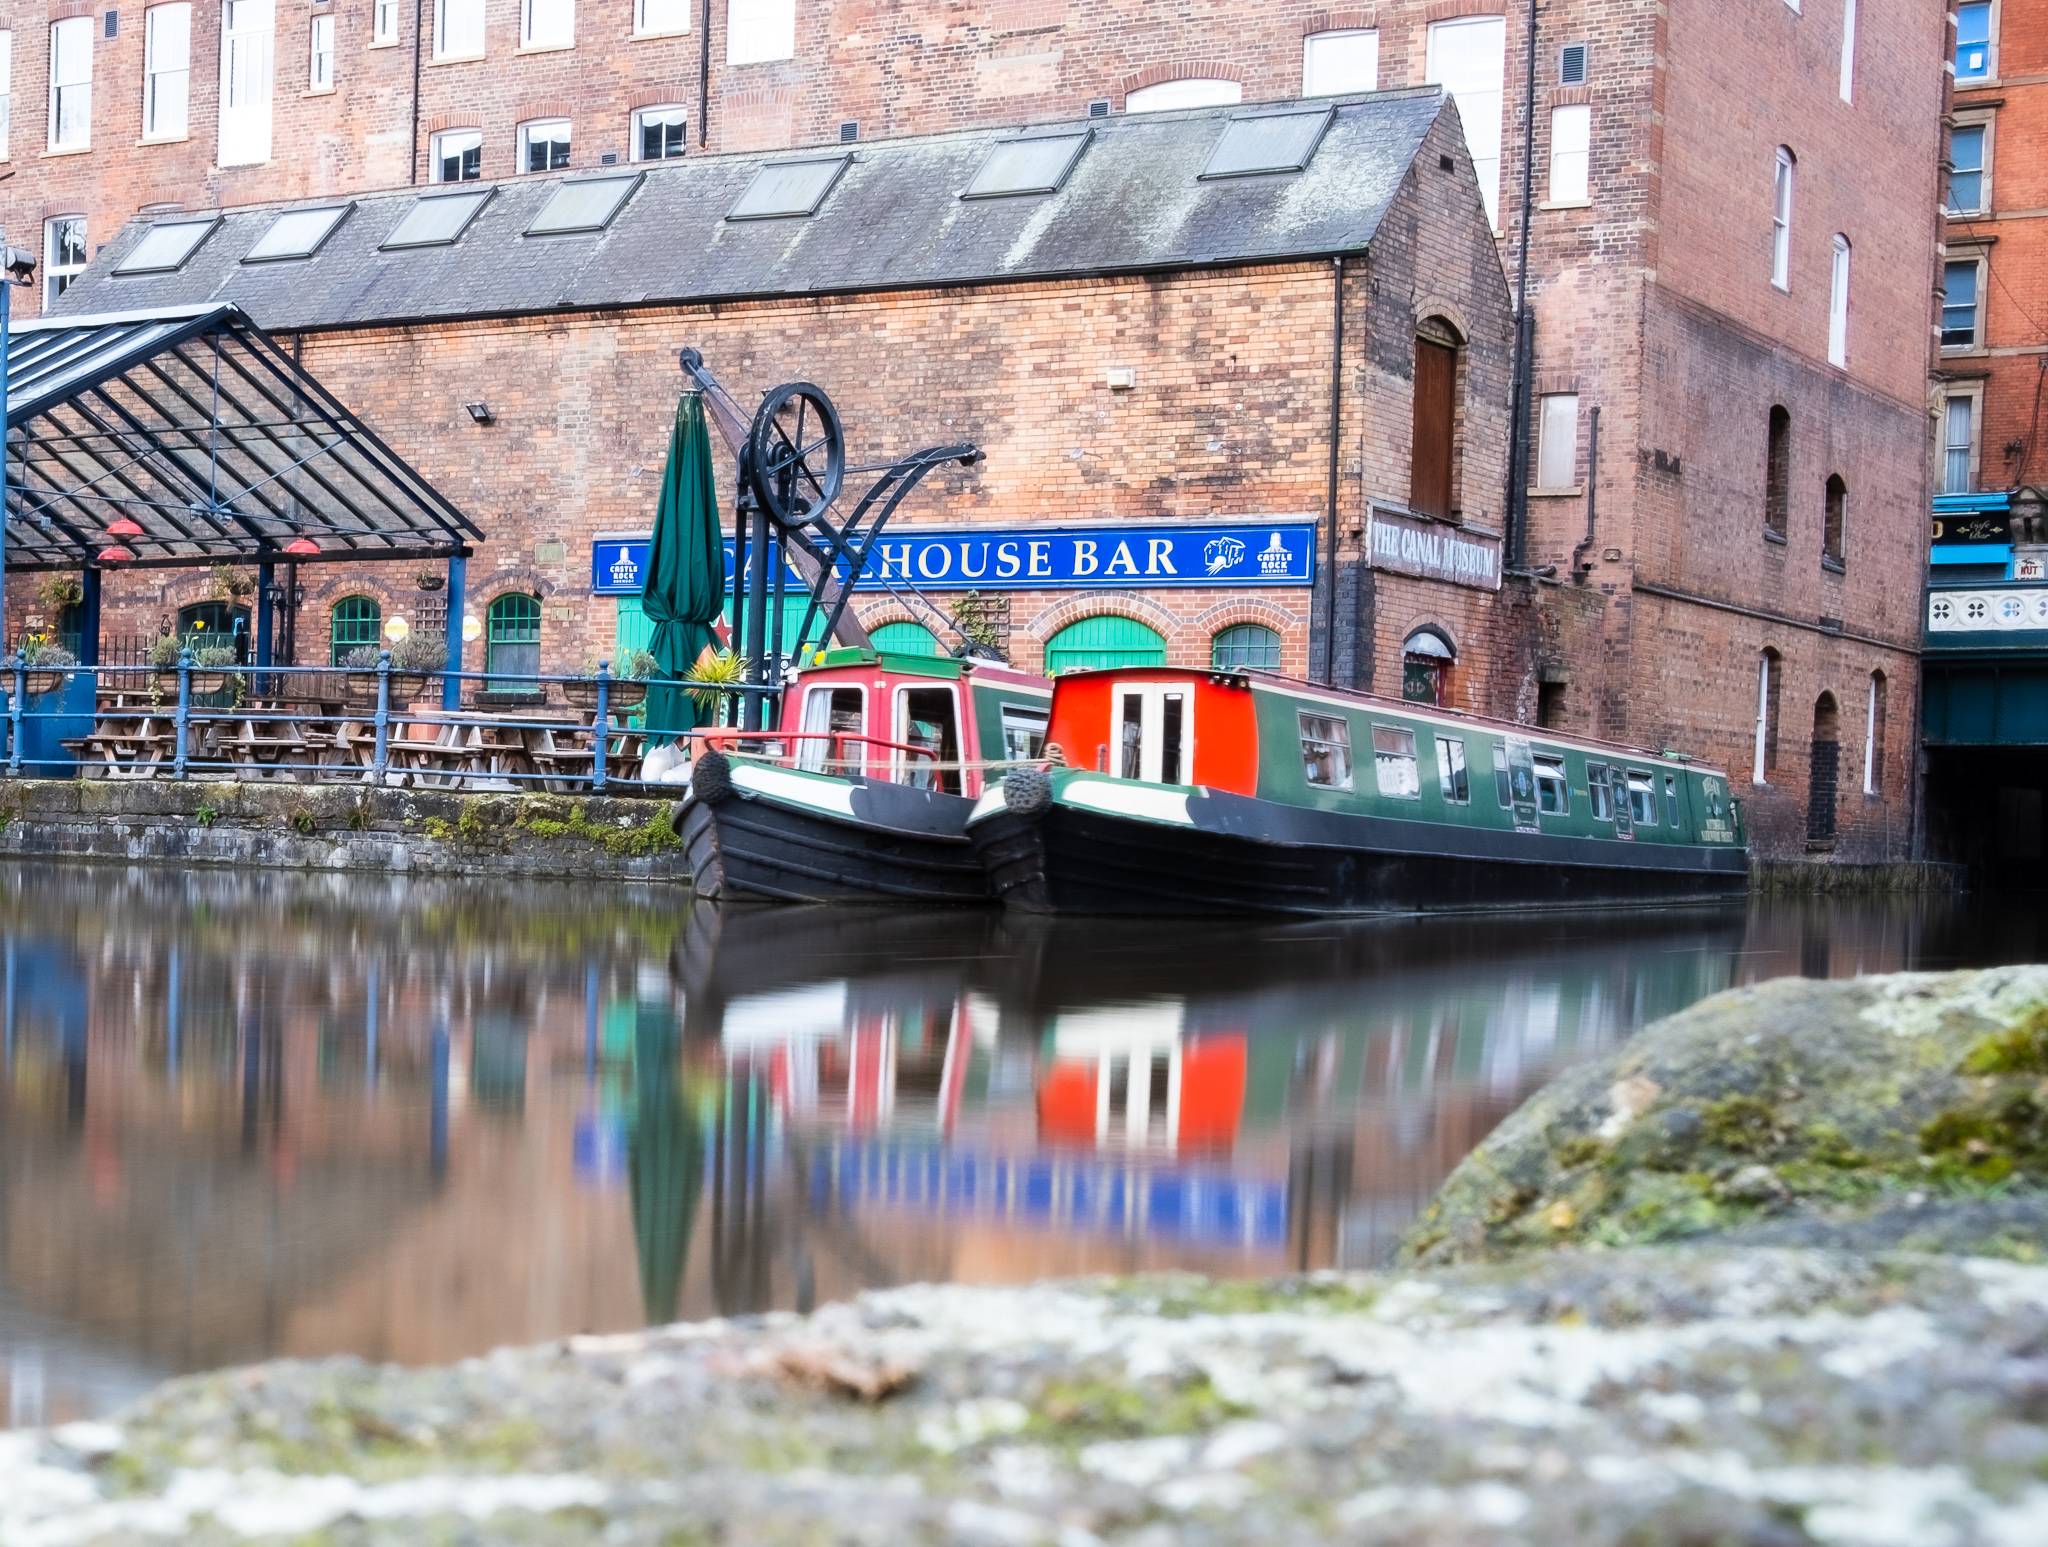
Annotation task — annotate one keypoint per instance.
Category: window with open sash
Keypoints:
(1393, 762)
(1326, 751)
(833, 719)
(1553, 797)
(1671, 800)
(1452, 781)
(928, 725)
(1503, 786)
(1598, 792)
(1023, 733)
(1642, 798)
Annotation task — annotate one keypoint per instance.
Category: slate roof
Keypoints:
(1134, 202)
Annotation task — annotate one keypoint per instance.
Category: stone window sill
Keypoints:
(381, 43)
(67, 150)
(317, 91)
(1570, 491)
(544, 48)
(1833, 566)
(641, 37)
(165, 139)
(1566, 204)
(1775, 537)
(440, 59)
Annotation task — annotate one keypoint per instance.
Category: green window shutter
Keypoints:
(1103, 641)
(906, 639)
(356, 622)
(1247, 646)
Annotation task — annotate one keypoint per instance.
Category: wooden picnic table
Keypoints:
(126, 744)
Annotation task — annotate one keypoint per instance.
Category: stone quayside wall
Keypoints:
(446, 832)
(341, 827)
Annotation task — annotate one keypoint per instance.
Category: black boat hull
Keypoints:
(825, 840)
(1247, 856)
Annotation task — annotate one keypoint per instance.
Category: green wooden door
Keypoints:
(906, 639)
(632, 631)
(1104, 641)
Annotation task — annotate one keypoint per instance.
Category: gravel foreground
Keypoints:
(1680, 1397)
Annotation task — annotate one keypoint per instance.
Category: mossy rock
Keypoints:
(1830, 1101)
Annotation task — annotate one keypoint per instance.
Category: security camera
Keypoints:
(20, 265)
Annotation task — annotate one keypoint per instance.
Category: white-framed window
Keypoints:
(6, 90)
(457, 156)
(1194, 91)
(1976, 43)
(1599, 793)
(1453, 781)
(1838, 303)
(64, 252)
(660, 133)
(320, 54)
(1784, 170)
(1958, 471)
(1344, 60)
(547, 23)
(1468, 58)
(383, 22)
(1326, 750)
(660, 18)
(1962, 304)
(71, 82)
(1553, 791)
(758, 30)
(1571, 153)
(544, 145)
(1969, 166)
(247, 63)
(458, 29)
(1765, 757)
(1848, 83)
(166, 71)
(1393, 762)
(1873, 733)
(1557, 440)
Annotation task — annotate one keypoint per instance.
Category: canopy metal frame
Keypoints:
(194, 424)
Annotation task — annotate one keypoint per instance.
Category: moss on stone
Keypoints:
(2019, 1049)
(1077, 1410)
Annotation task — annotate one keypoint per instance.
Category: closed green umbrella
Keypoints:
(685, 586)
(664, 1165)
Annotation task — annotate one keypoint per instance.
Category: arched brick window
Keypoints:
(356, 622)
(1246, 647)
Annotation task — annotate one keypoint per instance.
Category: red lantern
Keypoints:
(124, 526)
(116, 554)
(301, 546)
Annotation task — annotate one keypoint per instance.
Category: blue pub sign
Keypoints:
(1043, 558)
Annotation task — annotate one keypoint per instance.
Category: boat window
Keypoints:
(1503, 791)
(1671, 800)
(1596, 788)
(1173, 728)
(1451, 780)
(926, 723)
(833, 713)
(1326, 750)
(1393, 761)
(1130, 737)
(1642, 798)
(1023, 734)
(1552, 796)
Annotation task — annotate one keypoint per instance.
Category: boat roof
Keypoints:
(950, 668)
(1358, 698)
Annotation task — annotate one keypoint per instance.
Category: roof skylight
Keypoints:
(436, 219)
(1037, 165)
(297, 233)
(1270, 142)
(166, 246)
(788, 188)
(586, 204)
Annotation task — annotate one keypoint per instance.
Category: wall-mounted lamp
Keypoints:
(480, 412)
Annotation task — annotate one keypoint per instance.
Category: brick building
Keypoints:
(1729, 563)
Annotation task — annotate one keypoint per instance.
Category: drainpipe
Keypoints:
(1580, 563)
(419, 33)
(1329, 586)
(1525, 325)
(704, 79)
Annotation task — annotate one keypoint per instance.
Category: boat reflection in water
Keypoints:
(243, 1116)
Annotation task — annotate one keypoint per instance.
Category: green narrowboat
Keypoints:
(1216, 792)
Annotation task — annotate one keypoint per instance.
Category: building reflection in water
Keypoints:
(243, 1116)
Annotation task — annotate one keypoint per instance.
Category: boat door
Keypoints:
(1624, 819)
(1154, 731)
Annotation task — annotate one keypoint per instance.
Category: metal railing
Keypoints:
(330, 724)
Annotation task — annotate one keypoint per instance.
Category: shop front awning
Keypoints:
(192, 425)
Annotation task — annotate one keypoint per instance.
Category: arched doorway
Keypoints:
(1103, 641)
(905, 638)
(1426, 659)
(211, 622)
(1823, 770)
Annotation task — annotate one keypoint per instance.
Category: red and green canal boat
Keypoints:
(1171, 792)
(862, 793)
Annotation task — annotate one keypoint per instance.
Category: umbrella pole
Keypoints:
(765, 553)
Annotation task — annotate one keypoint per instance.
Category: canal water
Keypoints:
(254, 1115)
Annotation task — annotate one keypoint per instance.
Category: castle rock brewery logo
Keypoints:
(1223, 553)
(1274, 558)
(625, 568)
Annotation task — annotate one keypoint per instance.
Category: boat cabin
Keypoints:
(1329, 749)
(926, 721)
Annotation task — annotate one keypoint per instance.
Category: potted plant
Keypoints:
(56, 592)
(230, 584)
(212, 662)
(414, 659)
(164, 651)
(46, 664)
(430, 580)
(361, 664)
(715, 670)
(628, 689)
